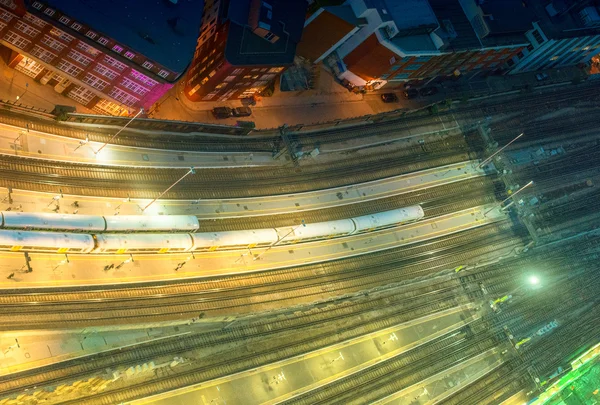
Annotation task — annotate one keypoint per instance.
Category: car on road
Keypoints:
(411, 93)
(389, 97)
(242, 111)
(428, 91)
(541, 76)
(222, 112)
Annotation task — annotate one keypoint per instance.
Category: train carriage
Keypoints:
(248, 239)
(143, 243)
(51, 242)
(52, 222)
(319, 230)
(367, 223)
(152, 223)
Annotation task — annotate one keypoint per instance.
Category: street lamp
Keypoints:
(508, 198)
(26, 88)
(115, 135)
(83, 142)
(498, 151)
(191, 171)
(533, 280)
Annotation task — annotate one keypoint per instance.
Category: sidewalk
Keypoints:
(31, 93)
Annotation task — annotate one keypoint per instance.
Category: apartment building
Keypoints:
(243, 46)
(374, 43)
(564, 33)
(111, 56)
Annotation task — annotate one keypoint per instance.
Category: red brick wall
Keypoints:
(370, 59)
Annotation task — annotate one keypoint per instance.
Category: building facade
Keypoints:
(385, 42)
(243, 46)
(565, 33)
(113, 60)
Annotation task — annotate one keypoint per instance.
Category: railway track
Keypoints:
(436, 201)
(77, 179)
(189, 142)
(302, 333)
(402, 371)
(239, 295)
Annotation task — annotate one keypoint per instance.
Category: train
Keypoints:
(92, 223)
(137, 243)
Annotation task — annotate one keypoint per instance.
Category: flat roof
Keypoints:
(159, 29)
(244, 48)
(410, 13)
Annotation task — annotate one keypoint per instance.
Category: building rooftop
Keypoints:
(455, 28)
(165, 31)
(506, 23)
(566, 22)
(244, 48)
(410, 13)
(507, 16)
(346, 13)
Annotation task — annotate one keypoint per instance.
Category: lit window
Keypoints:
(91, 34)
(49, 12)
(163, 73)
(33, 20)
(76, 26)
(103, 40)
(129, 55)
(237, 71)
(147, 65)
(230, 78)
(275, 70)
(37, 5)
(117, 48)
(555, 57)
(204, 80)
(64, 20)
(114, 62)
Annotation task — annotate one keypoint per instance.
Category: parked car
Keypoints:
(411, 93)
(389, 97)
(242, 111)
(541, 76)
(428, 91)
(222, 112)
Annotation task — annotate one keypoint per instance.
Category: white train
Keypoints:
(92, 223)
(119, 243)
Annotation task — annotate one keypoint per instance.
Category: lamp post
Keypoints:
(83, 142)
(509, 197)
(191, 171)
(26, 88)
(498, 151)
(115, 135)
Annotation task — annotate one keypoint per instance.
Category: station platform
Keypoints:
(30, 201)
(286, 379)
(87, 269)
(20, 142)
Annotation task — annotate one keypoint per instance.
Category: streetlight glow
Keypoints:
(534, 280)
